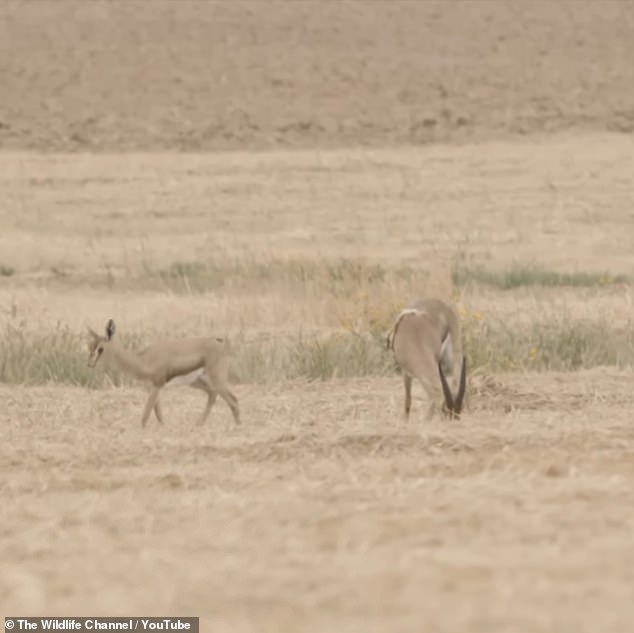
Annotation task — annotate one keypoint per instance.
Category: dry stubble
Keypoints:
(324, 510)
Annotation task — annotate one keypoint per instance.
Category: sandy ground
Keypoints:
(394, 134)
(324, 510)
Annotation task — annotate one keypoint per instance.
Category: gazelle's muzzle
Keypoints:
(453, 406)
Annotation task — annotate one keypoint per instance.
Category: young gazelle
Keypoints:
(200, 363)
(426, 342)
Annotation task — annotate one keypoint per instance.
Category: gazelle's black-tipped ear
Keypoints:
(110, 329)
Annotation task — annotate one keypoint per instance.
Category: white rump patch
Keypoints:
(186, 379)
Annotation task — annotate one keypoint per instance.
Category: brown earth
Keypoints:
(202, 75)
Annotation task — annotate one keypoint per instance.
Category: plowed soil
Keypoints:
(224, 75)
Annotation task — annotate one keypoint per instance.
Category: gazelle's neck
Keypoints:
(128, 362)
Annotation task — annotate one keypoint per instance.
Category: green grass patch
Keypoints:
(520, 275)
(337, 355)
(335, 276)
(6, 271)
(543, 346)
(61, 356)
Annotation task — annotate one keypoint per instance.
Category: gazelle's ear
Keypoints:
(110, 329)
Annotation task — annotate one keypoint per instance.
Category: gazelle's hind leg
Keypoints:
(211, 398)
(158, 411)
(149, 405)
(203, 383)
(217, 379)
(427, 378)
(407, 383)
(214, 385)
(232, 401)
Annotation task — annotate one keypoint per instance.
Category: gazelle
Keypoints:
(426, 342)
(200, 363)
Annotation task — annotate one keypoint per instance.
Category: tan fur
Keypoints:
(425, 335)
(200, 363)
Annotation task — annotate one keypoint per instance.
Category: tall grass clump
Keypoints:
(561, 345)
(521, 275)
(341, 355)
(58, 356)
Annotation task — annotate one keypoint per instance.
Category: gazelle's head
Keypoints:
(452, 407)
(97, 344)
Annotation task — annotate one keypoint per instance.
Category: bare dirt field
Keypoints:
(379, 151)
(202, 75)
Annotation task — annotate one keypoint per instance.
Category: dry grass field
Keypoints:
(324, 511)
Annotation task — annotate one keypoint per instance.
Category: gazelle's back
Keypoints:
(442, 318)
(184, 355)
(416, 338)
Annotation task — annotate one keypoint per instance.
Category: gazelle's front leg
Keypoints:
(149, 405)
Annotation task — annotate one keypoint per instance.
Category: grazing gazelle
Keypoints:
(426, 342)
(200, 363)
